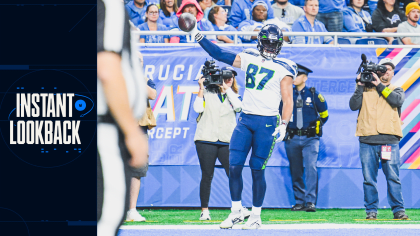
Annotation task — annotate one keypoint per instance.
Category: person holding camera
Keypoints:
(310, 112)
(355, 19)
(217, 107)
(379, 131)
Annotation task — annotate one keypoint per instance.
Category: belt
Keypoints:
(106, 119)
(299, 132)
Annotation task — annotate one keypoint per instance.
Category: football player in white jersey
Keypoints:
(268, 81)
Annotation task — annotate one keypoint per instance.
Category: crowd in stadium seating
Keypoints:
(290, 15)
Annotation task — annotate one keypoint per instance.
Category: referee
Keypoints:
(121, 102)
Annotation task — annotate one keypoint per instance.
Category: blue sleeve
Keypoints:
(349, 25)
(322, 107)
(216, 52)
(327, 39)
(151, 84)
(236, 14)
(297, 27)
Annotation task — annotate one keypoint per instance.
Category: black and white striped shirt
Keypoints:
(113, 35)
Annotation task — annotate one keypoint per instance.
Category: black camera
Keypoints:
(213, 75)
(369, 67)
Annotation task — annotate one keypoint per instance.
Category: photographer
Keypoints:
(379, 131)
(302, 140)
(217, 106)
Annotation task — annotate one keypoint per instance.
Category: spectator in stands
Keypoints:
(136, 9)
(309, 23)
(258, 20)
(355, 19)
(152, 16)
(331, 14)
(167, 13)
(387, 17)
(191, 6)
(224, 2)
(410, 26)
(287, 12)
(206, 6)
(218, 17)
(241, 10)
(216, 105)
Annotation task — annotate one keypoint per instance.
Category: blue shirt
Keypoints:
(303, 25)
(241, 10)
(309, 113)
(153, 38)
(169, 21)
(228, 28)
(352, 22)
(137, 15)
(327, 6)
(243, 26)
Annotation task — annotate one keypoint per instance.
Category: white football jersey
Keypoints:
(262, 83)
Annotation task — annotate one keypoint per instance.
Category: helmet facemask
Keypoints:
(270, 48)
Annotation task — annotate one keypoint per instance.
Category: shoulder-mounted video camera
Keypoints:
(213, 75)
(369, 67)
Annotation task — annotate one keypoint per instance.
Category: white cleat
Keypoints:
(133, 215)
(246, 213)
(234, 218)
(205, 215)
(254, 222)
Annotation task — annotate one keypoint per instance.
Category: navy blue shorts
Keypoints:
(253, 131)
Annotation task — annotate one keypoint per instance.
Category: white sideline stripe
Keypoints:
(400, 56)
(283, 226)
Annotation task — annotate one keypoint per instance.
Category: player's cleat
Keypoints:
(254, 222)
(133, 215)
(205, 215)
(246, 212)
(234, 218)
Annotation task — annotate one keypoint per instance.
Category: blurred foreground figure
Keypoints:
(121, 102)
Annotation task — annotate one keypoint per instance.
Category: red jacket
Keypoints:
(200, 13)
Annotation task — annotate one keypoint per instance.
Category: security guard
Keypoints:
(302, 140)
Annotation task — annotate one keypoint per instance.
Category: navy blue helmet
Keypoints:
(270, 40)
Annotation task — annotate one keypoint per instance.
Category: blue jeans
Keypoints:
(370, 156)
(333, 21)
(300, 150)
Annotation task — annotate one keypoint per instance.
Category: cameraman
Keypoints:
(379, 131)
(302, 141)
(217, 106)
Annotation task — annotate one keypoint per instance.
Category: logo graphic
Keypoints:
(45, 123)
(268, 125)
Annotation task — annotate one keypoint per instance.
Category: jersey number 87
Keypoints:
(252, 71)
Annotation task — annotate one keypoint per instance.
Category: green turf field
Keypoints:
(275, 216)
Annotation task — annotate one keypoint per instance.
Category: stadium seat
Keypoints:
(372, 41)
(395, 42)
(227, 9)
(343, 41)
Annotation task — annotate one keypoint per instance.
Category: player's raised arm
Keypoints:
(188, 23)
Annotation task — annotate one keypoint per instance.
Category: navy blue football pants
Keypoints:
(256, 132)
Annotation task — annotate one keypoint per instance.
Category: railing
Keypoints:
(335, 36)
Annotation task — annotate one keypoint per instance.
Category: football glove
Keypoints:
(281, 131)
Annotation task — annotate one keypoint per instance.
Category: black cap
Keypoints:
(230, 68)
(303, 70)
